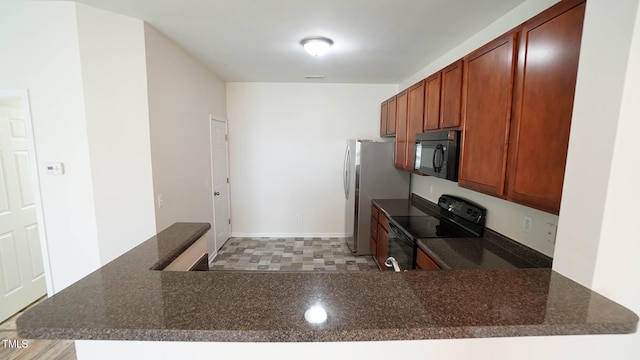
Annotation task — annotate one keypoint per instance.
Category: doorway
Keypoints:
(220, 188)
(22, 274)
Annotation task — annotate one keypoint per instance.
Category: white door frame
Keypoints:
(23, 96)
(226, 126)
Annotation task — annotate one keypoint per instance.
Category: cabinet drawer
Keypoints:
(424, 262)
(384, 221)
(375, 212)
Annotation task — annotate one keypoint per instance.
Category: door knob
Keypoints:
(216, 193)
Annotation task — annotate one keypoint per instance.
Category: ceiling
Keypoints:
(375, 41)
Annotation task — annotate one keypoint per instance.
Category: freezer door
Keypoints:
(377, 179)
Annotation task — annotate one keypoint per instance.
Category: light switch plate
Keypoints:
(550, 235)
(527, 224)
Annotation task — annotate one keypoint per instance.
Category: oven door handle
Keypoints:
(392, 262)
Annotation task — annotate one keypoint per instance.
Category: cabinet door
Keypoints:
(451, 95)
(401, 130)
(391, 116)
(543, 105)
(432, 102)
(383, 118)
(488, 85)
(425, 262)
(415, 116)
(373, 242)
(383, 246)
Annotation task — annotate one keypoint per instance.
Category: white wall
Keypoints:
(114, 79)
(287, 143)
(182, 93)
(587, 189)
(39, 45)
(616, 271)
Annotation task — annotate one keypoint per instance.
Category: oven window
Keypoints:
(402, 249)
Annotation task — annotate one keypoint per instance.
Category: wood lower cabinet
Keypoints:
(383, 243)
(424, 261)
(543, 105)
(488, 89)
(379, 237)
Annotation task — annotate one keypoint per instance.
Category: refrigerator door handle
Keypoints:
(346, 178)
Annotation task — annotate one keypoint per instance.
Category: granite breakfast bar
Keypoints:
(128, 300)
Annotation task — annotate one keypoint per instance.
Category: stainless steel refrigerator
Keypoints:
(369, 173)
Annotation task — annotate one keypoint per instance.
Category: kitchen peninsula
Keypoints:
(127, 300)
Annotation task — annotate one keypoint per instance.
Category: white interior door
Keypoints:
(220, 176)
(22, 279)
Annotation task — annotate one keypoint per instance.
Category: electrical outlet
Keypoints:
(527, 224)
(550, 235)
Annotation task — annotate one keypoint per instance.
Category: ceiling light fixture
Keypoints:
(316, 45)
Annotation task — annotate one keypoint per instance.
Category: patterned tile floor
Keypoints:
(290, 254)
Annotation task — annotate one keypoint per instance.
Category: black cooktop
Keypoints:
(457, 218)
(422, 227)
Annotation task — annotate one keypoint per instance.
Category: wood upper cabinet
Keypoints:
(487, 99)
(391, 116)
(401, 129)
(383, 118)
(388, 118)
(543, 105)
(432, 102)
(443, 98)
(415, 115)
(410, 113)
(451, 95)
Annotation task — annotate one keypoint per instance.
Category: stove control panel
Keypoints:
(463, 208)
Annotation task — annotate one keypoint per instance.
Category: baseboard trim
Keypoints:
(286, 235)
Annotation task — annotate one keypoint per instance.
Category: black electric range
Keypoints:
(457, 218)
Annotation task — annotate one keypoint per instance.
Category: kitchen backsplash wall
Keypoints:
(504, 217)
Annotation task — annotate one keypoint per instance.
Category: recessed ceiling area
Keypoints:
(375, 42)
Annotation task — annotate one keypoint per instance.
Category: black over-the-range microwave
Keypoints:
(438, 153)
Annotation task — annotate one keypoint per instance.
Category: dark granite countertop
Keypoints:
(491, 252)
(127, 300)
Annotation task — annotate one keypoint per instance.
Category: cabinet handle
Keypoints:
(346, 177)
